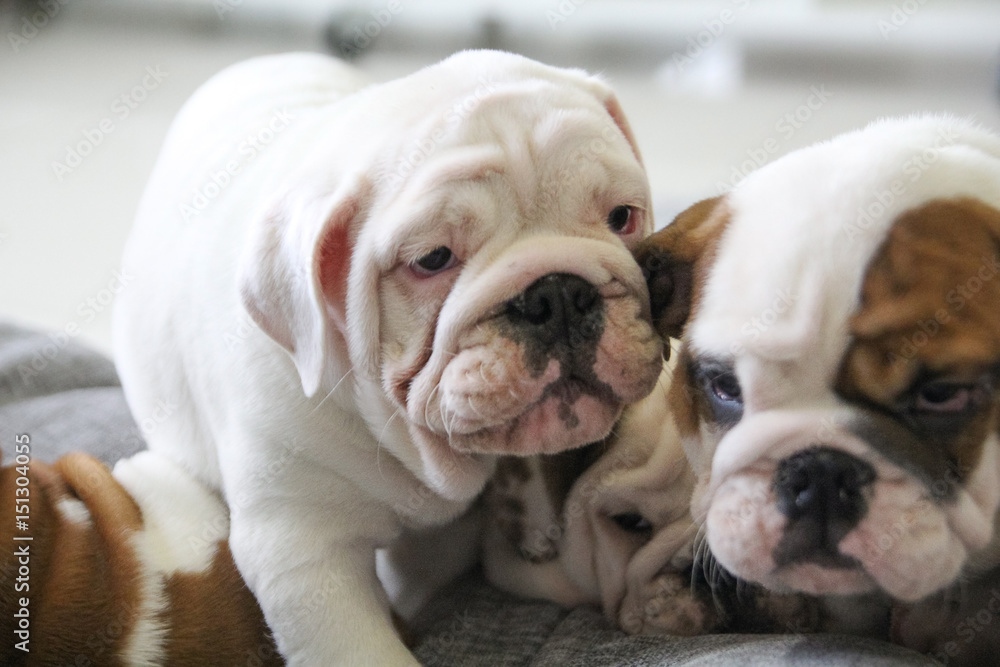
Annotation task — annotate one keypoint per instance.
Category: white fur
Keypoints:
(183, 520)
(146, 643)
(796, 229)
(328, 417)
(73, 510)
(183, 523)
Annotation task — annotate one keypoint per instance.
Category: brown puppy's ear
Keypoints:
(668, 259)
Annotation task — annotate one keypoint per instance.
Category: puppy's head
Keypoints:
(838, 386)
(462, 236)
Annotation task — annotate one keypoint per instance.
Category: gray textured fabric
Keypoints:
(64, 395)
(472, 624)
(67, 397)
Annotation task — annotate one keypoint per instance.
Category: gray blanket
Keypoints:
(67, 397)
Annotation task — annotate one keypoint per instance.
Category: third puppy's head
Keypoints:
(838, 386)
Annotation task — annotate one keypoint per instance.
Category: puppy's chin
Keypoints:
(565, 417)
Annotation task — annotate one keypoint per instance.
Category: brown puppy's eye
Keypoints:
(944, 397)
(434, 262)
(622, 220)
(727, 388)
(718, 381)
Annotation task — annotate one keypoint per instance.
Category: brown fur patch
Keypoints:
(507, 496)
(503, 497)
(687, 409)
(214, 619)
(676, 261)
(84, 581)
(83, 597)
(930, 303)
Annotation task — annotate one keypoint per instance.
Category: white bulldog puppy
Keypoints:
(354, 297)
(838, 387)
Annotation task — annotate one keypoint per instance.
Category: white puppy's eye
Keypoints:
(438, 260)
(623, 220)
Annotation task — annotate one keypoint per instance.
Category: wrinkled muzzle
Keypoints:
(797, 501)
(540, 351)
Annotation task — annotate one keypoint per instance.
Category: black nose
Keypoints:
(822, 482)
(821, 491)
(558, 307)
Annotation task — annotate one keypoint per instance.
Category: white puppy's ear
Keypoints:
(614, 108)
(293, 275)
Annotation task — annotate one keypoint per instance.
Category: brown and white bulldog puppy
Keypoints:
(129, 567)
(838, 387)
(354, 297)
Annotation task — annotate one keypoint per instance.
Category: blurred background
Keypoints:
(713, 90)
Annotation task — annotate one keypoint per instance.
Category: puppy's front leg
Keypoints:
(317, 587)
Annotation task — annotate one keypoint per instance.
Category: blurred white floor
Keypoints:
(62, 230)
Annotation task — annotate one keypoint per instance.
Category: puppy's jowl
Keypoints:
(849, 444)
(425, 290)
